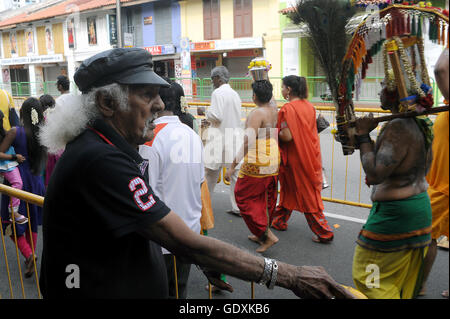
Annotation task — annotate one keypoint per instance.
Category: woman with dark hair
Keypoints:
(177, 96)
(301, 161)
(47, 101)
(25, 141)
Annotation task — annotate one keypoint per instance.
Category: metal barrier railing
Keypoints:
(333, 154)
(38, 200)
(29, 199)
(200, 89)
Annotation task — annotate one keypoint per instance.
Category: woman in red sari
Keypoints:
(300, 172)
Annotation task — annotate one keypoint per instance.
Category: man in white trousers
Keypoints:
(225, 135)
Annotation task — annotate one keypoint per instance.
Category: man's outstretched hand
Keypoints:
(314, 283)
(214, 279)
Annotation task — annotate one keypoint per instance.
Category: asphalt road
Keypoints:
(295, 245)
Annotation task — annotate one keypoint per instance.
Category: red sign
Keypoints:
(203, 46)
(154, 50)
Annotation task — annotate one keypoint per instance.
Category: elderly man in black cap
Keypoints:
(103, 226)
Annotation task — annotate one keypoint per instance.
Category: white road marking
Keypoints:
(352, 219)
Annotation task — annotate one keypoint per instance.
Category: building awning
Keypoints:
(175, 56)
(227, 45)
(36, 59)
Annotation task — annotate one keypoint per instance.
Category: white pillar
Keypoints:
(71, 71)
(33, 81)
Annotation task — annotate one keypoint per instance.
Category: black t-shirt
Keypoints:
(97, 201)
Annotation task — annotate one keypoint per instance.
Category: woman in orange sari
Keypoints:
(300, 172)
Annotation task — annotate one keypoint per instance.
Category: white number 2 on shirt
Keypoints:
(141, 191)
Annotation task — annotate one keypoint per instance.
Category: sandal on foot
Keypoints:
(20, 220)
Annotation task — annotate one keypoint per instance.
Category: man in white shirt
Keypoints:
(225, 135)
(176, 173)
(63, 86)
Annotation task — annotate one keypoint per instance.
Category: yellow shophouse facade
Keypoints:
(231, 33)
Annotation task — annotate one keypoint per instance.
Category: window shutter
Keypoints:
(243, 18)
(207, 19)
(163, 23)
(215, 19)
(247, 18)
(211, 19)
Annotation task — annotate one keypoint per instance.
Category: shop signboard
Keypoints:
(154, 50)
(203, 46)
(128, 40)
(53, 58)
(239, 44)
(224, 45)
(148, 20)
(161, 49)
(112, 24)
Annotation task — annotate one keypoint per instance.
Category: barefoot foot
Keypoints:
(316, 239)
(269, 242)
(255, 239)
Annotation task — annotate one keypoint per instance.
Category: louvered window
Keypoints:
(243, 18)
(211, 19)
(163, 23)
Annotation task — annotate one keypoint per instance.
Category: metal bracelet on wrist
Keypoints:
(267, 270)
(273, 278)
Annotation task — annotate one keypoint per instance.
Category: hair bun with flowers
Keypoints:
(34, 116)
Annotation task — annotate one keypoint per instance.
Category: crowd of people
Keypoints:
(25, 165)
(140, 172)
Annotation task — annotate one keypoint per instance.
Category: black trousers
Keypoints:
(183, 270)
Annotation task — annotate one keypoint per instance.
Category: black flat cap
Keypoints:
(123, 66)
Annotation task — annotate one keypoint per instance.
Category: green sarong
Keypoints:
(398, 225)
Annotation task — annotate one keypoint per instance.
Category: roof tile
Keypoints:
(59, 9)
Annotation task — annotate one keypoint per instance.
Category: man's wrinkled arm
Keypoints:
(209, 253)
(173, 234)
